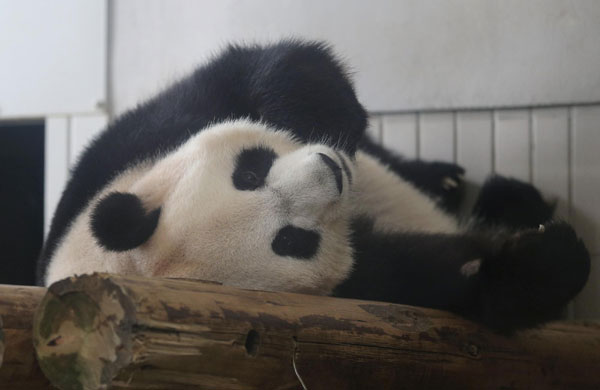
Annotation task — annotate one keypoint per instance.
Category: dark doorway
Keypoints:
(21, 200)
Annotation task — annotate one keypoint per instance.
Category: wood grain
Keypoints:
(18, 367)
(96, 331)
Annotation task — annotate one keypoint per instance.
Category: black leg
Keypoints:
(535, 273)
(507, 281)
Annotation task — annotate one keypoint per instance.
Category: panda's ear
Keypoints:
(119, 222)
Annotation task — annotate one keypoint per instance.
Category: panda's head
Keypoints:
(238, 203)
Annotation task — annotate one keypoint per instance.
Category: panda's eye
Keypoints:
(252, 167)
(251, 178)
(296, 242)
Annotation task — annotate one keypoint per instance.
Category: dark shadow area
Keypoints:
(21, 200)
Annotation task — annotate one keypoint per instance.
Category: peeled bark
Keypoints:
(92, 332)
(18, 366)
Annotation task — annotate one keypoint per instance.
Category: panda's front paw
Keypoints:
(450, 175)
(534, 275)
(445, 181)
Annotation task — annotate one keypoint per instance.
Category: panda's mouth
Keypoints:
(335, 168)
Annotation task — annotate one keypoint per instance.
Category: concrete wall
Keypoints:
(52, 57)
(406, 54)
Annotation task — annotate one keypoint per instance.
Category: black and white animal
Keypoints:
(255, 171)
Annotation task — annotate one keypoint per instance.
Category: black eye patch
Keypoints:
(252, 167)
(296, 242)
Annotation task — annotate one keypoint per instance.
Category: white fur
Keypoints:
(395, 204)
(210, 230)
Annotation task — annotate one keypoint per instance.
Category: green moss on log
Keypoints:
(65, 370)
(78, 335)
(74, 306)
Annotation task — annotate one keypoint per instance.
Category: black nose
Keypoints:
(337, 171)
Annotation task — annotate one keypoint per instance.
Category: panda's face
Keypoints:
(249, 207)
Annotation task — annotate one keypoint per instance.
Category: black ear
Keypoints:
(120, 222)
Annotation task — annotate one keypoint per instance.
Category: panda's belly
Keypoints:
(393, 203)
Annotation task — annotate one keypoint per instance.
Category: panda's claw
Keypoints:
(449, 183)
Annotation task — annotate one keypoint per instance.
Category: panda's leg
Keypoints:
(507, 281)
(441, 180)
(510, 203)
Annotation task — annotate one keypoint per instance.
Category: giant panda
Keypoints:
(255, 171)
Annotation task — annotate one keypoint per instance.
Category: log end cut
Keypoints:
(81, 335)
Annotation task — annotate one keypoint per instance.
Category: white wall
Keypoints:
(52, 57)
(53, 65)
(407, 54)
(66, 138)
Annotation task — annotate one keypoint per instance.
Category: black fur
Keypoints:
(293, 85)
(120, 222)
(296, 242)
(411, 268)
(524, 276)
(527, 274)
(252, 167)
(512, 204)
(532, 276)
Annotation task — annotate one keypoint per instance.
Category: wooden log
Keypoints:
(1, 341)
(18, 366)
(92, 332)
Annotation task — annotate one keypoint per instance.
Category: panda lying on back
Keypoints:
(255, 171)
